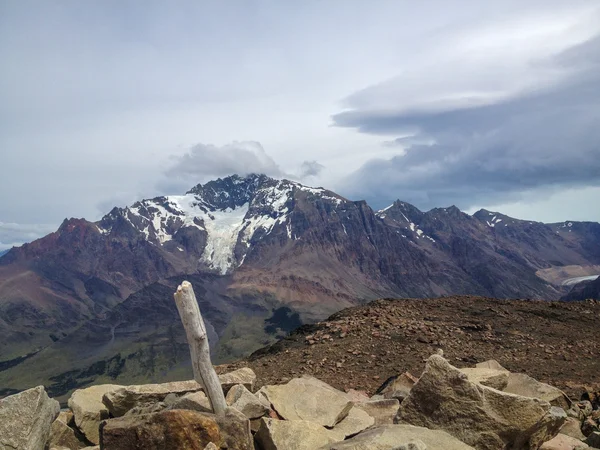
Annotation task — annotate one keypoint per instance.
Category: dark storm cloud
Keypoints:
(489, 152)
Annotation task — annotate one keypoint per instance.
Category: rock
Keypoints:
(593, 440)
(393, 437)
(397, 386)
(121, 400)
(494, 378)
(235, 428)
(276, 434)
(357, 396)
(244, 376)
(586, 408)
(211, 446)
(563, 442)
(247, 403)
(146, 409)
(165, 430)
(478, 415)
(194, 401)
(593, 398)
(89, 410)
(383, 411)
(310, 399)
(490, 364)
(26, 419)
(524, 385)
(589, 426)
(356, 421)
(62, 435)
(572, 428)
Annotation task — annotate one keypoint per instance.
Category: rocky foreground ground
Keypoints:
(485, 408)
(391, 375)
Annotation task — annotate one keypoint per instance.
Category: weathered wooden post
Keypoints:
(204, 373)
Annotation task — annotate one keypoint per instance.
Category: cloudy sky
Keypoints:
(490, 104)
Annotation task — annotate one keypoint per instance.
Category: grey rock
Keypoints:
(383, 411)
(89, 410)
(356, 421)
(194, 401)
(26, 419)
(119, 401)
(247, 403)
(309, 399)
(524, 385)
(276, 434)
(62, 435)
(478, 415)
(494, 378)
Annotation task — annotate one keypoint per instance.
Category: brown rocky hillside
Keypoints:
(359, 348)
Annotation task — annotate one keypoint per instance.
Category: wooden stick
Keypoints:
(204, 372)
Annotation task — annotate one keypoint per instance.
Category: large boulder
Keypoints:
(393, 437)
(89, 410)
(494, 378)
(563, 442)
(480, 416)
(26, 419)
(122, 399)
(246, 402)
(309, 399)
(119, 401)
(165, 430)
(524, 385)
(177, 429)
(62, 435)
(383, 411)
(276, 434)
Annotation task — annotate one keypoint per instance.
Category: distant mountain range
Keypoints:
(93, 300)
(3, 252)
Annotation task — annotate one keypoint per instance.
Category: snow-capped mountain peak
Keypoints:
(227, 213)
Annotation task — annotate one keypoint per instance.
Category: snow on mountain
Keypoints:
(229, 211)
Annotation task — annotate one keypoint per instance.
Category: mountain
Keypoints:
(3, 252)
(587, 289)
(94, 299)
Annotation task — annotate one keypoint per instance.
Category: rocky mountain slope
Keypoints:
(93, 300)
(360, 347)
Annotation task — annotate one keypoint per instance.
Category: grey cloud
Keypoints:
(493, 152)
(204, 162)
(310, 169)
(14, 234)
